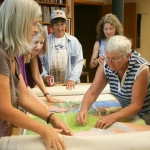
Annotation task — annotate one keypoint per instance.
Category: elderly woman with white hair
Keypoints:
(129, 79)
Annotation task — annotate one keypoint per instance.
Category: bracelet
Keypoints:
(94, 63)
(46, 94)
(49, 118)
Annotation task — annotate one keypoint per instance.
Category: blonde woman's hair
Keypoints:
(118, 44)
(42, 31)
(16, 21)
(113, 20)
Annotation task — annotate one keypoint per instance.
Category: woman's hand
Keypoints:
(58, 124)
(53, 100)
(101, 59)
(82, 117)
(70, 85)
(105, 122)
(52, 139)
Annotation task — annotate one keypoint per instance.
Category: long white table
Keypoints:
(140, 140)
(61, 92)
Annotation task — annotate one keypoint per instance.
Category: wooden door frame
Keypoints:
(82, 2)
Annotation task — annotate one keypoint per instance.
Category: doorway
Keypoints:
(85, 20)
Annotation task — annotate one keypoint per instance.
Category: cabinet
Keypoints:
(47, 6)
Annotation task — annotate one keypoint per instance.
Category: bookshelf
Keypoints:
(47, 6)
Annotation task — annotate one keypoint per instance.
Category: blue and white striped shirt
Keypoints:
(124, 92)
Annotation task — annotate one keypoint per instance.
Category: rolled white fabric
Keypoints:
(125, 141)
(58, 90)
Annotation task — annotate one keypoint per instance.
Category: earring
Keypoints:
(27, 60)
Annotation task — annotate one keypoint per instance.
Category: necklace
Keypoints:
(59, 46)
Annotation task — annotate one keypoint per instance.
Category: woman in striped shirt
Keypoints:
(128, 76)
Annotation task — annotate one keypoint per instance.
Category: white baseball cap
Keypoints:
(58, 14)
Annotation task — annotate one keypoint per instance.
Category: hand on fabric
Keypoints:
(70, 85)
(53, 100)
(57, 123)
(52, 139)
(82, 117)
(105, 122)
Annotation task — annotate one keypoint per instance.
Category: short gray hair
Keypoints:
(16, 18)
(119, 44)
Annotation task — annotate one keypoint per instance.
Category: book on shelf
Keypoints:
(45, 14)
(51, 1)
(56, 1)
(60, 1)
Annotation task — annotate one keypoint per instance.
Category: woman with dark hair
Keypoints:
(107, 27)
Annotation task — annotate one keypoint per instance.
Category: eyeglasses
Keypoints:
(113, 60)
(60, 26)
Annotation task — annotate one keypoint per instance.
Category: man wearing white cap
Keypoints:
(64, 60)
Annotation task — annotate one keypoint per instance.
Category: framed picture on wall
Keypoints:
(69, 25)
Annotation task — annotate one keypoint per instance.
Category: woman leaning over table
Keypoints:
(31, 69)
(129, 79)
(16, 33)
(31, 66)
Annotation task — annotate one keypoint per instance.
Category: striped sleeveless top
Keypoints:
(123, 93)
